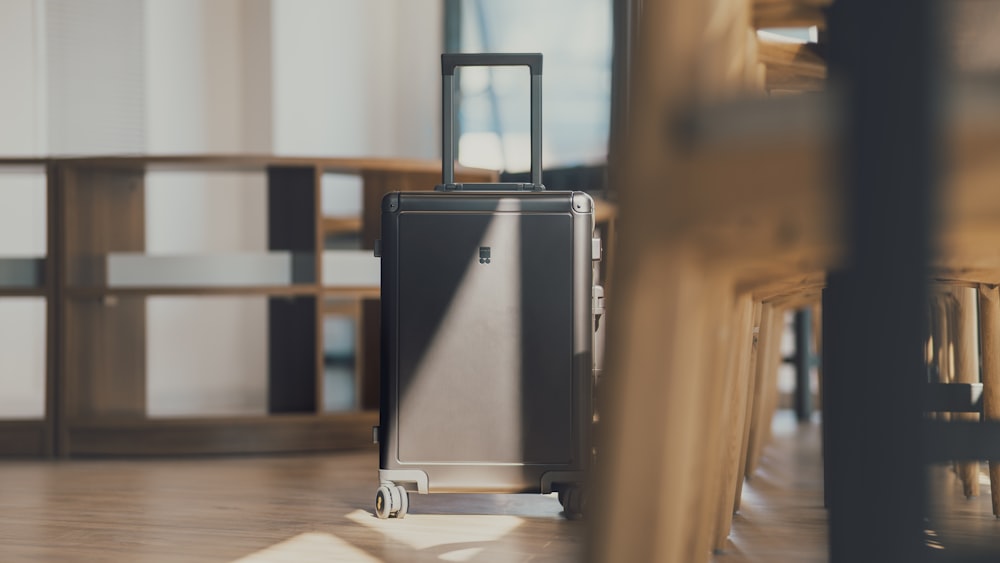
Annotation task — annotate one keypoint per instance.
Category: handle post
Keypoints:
(449, 62)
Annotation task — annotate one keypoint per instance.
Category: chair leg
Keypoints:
(772, 324)
(967, 371)
(989, 324)
(738, 374)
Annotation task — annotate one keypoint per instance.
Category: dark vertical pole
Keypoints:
(831, 325)
(622, 18)
(883, 61)
(294, 362)
(803, 364)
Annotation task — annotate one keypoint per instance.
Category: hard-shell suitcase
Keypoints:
(487, 330)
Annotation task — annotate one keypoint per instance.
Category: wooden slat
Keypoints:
(55, 376)
(223, 435)
(23, 292)
(282, 290)
(318, 301)
(243, 162)
(341, 225)
(784, 219)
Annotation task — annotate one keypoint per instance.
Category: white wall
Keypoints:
(22, 206)
(309, 77)
(94, 64)
(22, 96)
(205, 354)
(357, 78)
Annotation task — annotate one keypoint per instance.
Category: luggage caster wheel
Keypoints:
(391, 501)
(404, 502)
(572, 501)
(383, 502)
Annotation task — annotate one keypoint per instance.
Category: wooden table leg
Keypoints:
(650, 476)
(751, 367)
(989, 323)
(966, 346)
(772, 323)
(738, 374)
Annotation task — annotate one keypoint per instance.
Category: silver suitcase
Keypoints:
(487, 330)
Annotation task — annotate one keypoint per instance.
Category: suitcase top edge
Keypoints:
(482, 201)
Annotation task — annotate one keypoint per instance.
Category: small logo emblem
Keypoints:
(484, 255)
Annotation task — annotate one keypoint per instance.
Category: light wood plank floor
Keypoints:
(782, 517)
(319, 508)
(294, 509)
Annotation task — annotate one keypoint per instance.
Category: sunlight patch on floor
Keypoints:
(312, 547)
(425, 531)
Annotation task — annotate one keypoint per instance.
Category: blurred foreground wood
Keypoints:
(728, 197)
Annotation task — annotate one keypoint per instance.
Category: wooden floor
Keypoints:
(280, 509)
(782, 518)
(319, 508)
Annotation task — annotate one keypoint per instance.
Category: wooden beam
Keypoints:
(789, 13)
(222, 435)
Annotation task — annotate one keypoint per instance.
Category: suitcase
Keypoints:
(487, 330)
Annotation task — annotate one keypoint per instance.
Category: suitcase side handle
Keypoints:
(449, 62)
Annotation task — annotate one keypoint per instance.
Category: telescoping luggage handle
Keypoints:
(450, 61)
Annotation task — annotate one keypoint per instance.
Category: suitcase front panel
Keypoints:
(485, 326)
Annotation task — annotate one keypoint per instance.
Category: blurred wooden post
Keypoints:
(989, 323)
(966, 346)
(660, 445)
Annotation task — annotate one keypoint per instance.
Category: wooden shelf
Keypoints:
(341, 225)
(276, 291)
(222, 435)
(248, 162)
(23, 292)
(97, 297)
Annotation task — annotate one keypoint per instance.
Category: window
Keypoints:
(574, 36)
